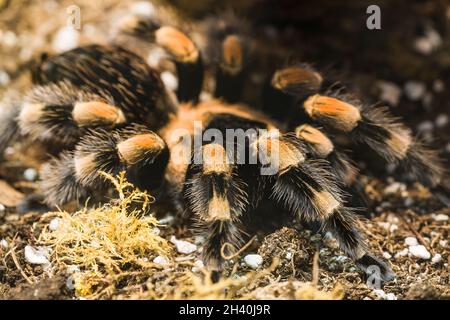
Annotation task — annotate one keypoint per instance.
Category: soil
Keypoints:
(333, 37)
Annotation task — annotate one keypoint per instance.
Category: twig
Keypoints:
(227, 244)
(16, 262)
(315, 270)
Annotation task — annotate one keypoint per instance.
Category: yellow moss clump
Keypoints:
(112, 244)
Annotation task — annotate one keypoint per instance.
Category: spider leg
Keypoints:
(9, 129)
(282, 92)
(116, 73)
(343, 168)
(228, 47)
(306, 189)
(382, 132)
(217, 198)
(139, 152)
(183, 51)
(59, 113)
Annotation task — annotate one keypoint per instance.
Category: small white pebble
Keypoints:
(2, 208)
(72, 268)
(393, 228)
(440, 217)
(389, 92)
(438, 85)
(441, 120)
(37, 255)
(66, 38)
(387, 255)
(402, 253)
(367, 298)
(198, 265)
(144, 8)
(9, 39)
(395, 187)
(411, 241)
(167, 220)
(4, 244)
(414, 90)
(429, 42)
(380, 294)
(420, 252)
(4, 78)
(341, 259)
(436, 259)
(54, 224)
(391, 296)
(425, 126)
(443, 243)
(183, 246)
(170, 80)
(161, 260)
(155, 56)
(408, 202)
(30, 174)
(288, 255)
(253, 260)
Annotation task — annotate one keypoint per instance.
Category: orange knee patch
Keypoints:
(232, 54)
(292, 77)
(96, 113)
(320, 142)
(139, 147)
(345, 115)
(177, 43)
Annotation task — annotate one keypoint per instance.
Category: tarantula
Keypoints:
(102, 108)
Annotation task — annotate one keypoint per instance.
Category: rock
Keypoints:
(2, 208)
(30, 174)
(402, 253)
(380, 293)
(438, 86)
(394, 188)
(54, 224)
(37, 256)
(425, 126)
(414, 90)
(143, 8)
(161, 260)
(66, 38)
(387, 255)
(389, 92)
(441, 120)
(167, 220)
(9, 39)
(429, 42)
(183, 246)
(198, 265)
(253, 260)
(155, 56)
(419, 251)
(169, 80)
(436, 259)
(4, 244)
(4, 78)
(411, 241)
(440, 217)
(391, 296)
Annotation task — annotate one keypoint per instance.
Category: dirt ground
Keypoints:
(405, 65)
